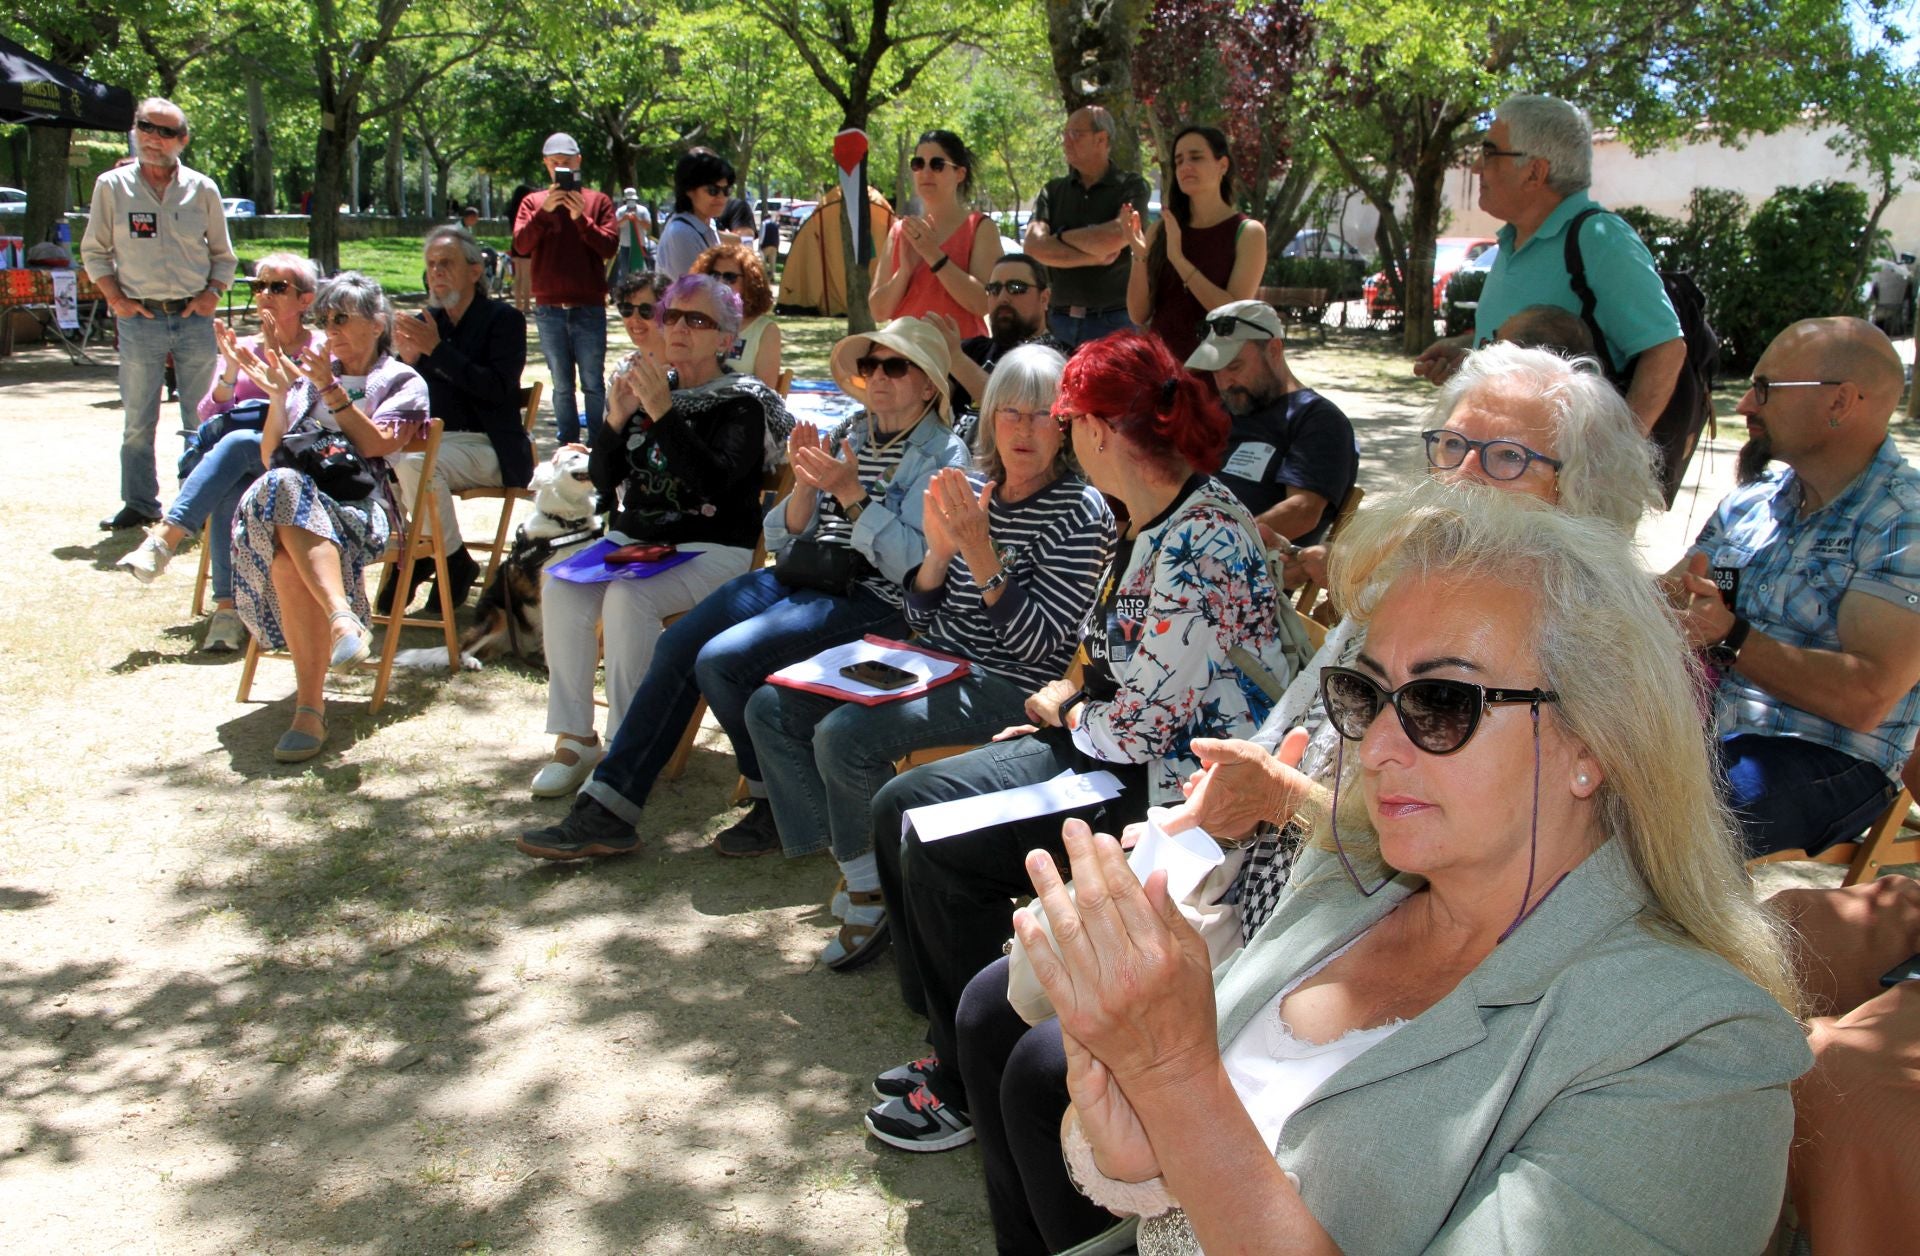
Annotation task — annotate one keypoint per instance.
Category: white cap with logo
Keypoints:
(1230, 326)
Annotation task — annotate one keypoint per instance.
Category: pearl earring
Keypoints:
(1582, 780)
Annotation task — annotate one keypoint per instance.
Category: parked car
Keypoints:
(12, 201)
(237, 206)
(1313, 242)
(1450, 254)
(1463, 292)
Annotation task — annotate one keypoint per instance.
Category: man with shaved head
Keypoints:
(1804, 591)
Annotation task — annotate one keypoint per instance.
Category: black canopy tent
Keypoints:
(40, 93)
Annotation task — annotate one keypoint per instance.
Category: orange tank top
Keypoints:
(927, 295)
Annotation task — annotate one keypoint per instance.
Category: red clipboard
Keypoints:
(829, 690)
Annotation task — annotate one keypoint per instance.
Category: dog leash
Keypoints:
(580, 533)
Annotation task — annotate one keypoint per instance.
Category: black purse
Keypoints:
(810, 564)
(329, 459)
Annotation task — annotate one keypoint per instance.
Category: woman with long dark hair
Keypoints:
(937, 262)
(1202, 253)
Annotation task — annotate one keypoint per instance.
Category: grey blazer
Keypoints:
(1594, 1086)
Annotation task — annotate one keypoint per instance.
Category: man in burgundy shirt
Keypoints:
(568, 233)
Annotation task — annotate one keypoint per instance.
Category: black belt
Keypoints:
(177, 306)
(1081, 311)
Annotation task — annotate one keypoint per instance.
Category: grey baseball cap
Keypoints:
(560, 144)
(1231, 325)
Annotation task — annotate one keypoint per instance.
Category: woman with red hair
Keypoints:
(1183, 642)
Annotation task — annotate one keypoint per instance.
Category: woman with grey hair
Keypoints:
(224, 455)
(1014, 550)
(687, 444)
(300, 553)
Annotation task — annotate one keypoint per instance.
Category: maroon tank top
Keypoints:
(1176, 312)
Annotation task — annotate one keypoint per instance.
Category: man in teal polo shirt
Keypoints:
(1534, 167)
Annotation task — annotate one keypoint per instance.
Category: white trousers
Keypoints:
(632, 610)
(466, 460)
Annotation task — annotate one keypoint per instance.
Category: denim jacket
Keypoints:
(888, 532)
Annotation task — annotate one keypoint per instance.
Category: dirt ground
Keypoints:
(251, 1007)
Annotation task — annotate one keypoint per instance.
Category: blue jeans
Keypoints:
(575, 338)
(144, 346)
(825, 759)
(723, 649)
(1790, 794)
(1074, 332)
(212, 492)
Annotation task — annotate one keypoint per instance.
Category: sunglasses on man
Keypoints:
(1227, 326)
(1012, 287)
(694, 319)
(892, 368)
(1439, 716)
(935, 164)
(155, 128)
(628, 309)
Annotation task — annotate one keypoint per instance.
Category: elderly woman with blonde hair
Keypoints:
(1518, 994)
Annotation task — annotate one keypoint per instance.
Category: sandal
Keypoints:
(295, 746)
(350, 648)
(862, 937)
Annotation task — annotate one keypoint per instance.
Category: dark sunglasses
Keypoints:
(1439, 716)
(1762, 385)
(627, 309)
(892, 368)
(731, 278)
(1500, 459)
(339, 318)
(719, 189)
(1489, 150)
(1228, 325)
(278, 288)
(694, 319)
(1012, 287)
(154, 128)
(935, 164)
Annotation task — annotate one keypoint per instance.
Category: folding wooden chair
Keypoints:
(204, 576)
(1310, 592)
(1894, 838)
(507, 497)
(419, 538)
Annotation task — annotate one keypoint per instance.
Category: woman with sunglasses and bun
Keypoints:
(689, 445)
(1202, 253)
(757, 346)
(844, 542)
(937, 261)
(1518, 995)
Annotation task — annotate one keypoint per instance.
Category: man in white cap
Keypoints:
(1291, 455)
(568, 232)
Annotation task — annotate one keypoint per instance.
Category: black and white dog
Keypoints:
(507, 617)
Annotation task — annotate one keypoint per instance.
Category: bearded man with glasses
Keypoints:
(1018, 292)
(156, 246)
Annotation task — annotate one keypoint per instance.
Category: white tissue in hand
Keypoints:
(1188, 855)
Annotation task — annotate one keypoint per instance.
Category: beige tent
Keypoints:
(815, 277)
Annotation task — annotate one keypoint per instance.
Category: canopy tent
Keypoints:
(815, 278)
(40, 93)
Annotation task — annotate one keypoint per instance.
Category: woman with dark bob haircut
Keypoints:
(1202, 253)
(937, 262)
(702, 182)
(1184, 641)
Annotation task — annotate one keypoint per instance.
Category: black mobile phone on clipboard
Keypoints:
(879, 675)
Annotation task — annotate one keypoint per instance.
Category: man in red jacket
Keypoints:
(568, 232)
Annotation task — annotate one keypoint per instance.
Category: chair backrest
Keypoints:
(1310, 592)
(786, 381)
(530, 402)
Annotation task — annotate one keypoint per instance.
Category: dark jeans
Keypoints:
(1018, 1079)
(574, 339)
(1790, 794)
(723, 649)
(950, 900)
(1074, 332)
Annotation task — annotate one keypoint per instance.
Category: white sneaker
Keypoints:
(225, 632)
(557, 779)
(148, 559)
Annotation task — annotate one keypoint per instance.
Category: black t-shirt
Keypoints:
(983, 353)
(1301, 441)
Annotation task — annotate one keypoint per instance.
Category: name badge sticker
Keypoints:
(1251, 460)
(143, 226)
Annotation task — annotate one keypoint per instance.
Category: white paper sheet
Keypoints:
(824, 668)
(66, 299)
(1065, 792)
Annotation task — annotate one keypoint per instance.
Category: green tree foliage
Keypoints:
(1800, 247)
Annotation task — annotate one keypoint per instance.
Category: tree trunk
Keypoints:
(396, 166)
(260, 133)
(1863, 256)
(329, 170)
(1423, 228)
(48, 178)
(859, 276)
(1092, 43)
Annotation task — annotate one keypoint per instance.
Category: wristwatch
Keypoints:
(1725, 652)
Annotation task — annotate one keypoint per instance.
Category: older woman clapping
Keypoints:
(300, 551)
(1013, 552)
(1518, 985)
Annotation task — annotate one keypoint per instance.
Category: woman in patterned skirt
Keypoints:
(299, 554)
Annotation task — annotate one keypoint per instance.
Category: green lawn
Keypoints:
(391, 261)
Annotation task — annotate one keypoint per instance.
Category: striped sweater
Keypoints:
(1053, 547)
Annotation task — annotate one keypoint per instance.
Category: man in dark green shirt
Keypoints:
(1076, 232)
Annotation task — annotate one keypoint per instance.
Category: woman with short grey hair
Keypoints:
(1024, 381)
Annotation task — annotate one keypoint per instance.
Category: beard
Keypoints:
(1238, 401)
(1753, 459)
(441, 300)
(1007, 328)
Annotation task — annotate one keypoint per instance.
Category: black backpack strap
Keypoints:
(1577, 277)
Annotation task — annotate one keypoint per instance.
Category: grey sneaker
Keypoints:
(225, 632)
(147, 560)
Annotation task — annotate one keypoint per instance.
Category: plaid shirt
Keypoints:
(1789, 575)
